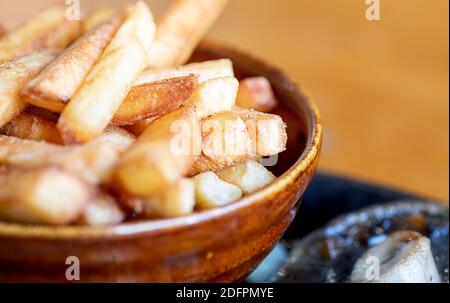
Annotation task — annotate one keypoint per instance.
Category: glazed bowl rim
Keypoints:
(135, 228)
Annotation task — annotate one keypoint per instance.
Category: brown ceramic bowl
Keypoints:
(219, 245)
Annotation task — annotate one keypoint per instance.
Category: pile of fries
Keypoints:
(102, 119)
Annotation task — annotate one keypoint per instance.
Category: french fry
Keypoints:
(155, 99)
(117, 137)
(256, 93)
(207, 70)
(28, 126)
(49, 29)
(102, 209)
(213, 96)
(93, 161)
(211, 192)
(178, 201)
(153, 163)
(267, 131)
(13, 74)
(108, 83)
(181, 28)
(139, 127)
(53, 88)
(97, 17)
(249, 176)
(249, 135)
(41, 195)
(225, 140)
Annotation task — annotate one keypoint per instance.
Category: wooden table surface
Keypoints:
(381, 86)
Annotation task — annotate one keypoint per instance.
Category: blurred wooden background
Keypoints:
(381, 86)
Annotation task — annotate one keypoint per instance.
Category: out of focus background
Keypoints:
(381, 86)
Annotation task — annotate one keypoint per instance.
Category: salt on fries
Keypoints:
(115, 122)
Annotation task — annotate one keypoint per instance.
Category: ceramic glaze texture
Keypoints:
(221, 245)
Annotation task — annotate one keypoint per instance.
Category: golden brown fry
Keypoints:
(58, 82)
(28, 126)
(102, 209)
(93, 161)
(181, 28)
(256, 93)
(155, 162)
(207, 70)
(108, 83)
(155, 99)
(49, 29)
(13, 74)
(41, 195)
(97, 17)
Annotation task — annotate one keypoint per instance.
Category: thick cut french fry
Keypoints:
(213, 96)
(225, 139)
(267, 131)
(181, 28)
(155, 99)
(102, 209)
(211, 192)
(93, 161)
(41, 195)
(178, 200)
(249, 176)
(108, 83)
(256, 93)
(53, 88)
(28, 126)
(260, 135)
(49, 29)
(97, 17)
(156, 160)
(13, 74)
(207, 70)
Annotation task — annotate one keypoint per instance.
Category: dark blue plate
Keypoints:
(333, 198)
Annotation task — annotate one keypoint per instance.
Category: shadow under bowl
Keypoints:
(218, 245)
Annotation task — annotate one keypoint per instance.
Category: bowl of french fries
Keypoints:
(142, 152)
